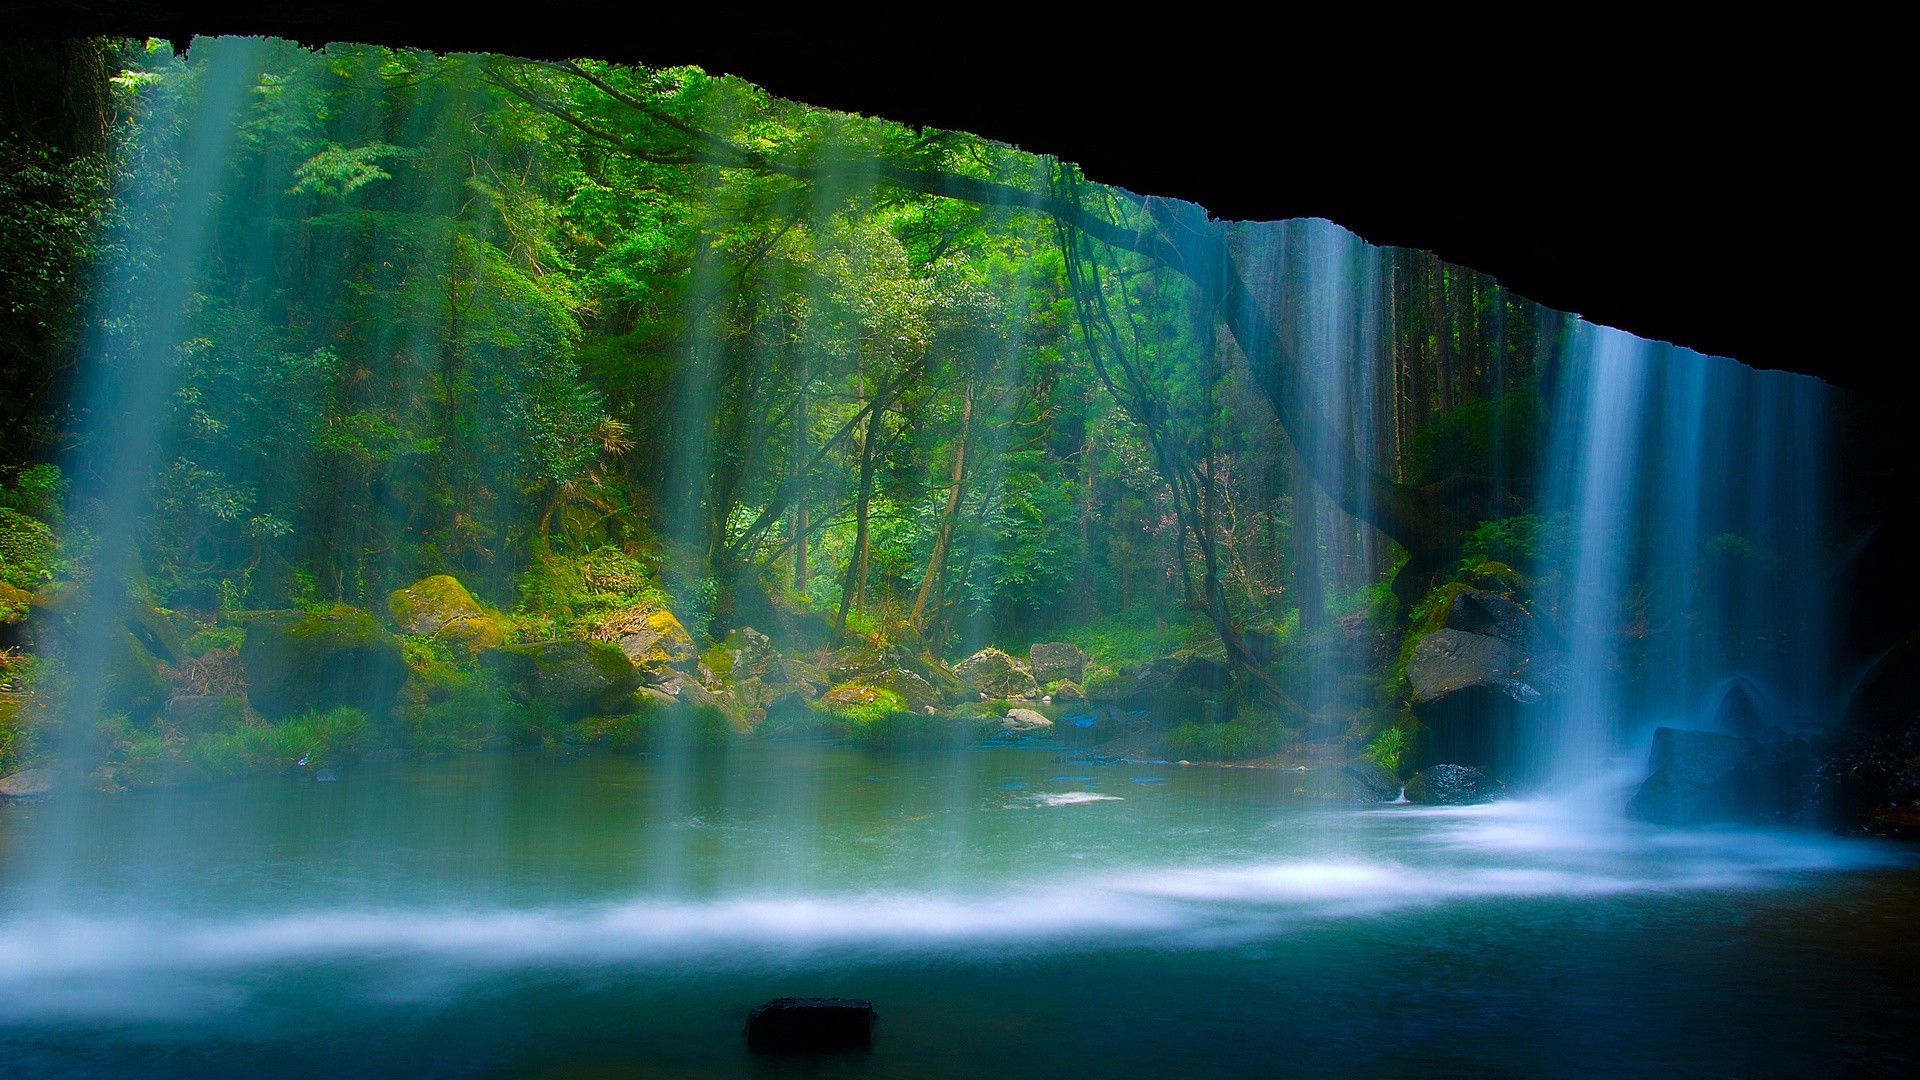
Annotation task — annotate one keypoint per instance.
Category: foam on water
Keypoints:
(1516, 852)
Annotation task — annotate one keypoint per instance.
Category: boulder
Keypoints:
(1704, 776)
(1477, 680)
(917, 692)
(656, 645)
(1452, 785)
(1054, 661)
(299, 660)
(573, 678)
(1065, 692)
(810, 1025)
(199, 713)
(997, 675)
(1371, 783)
(441, 607)
(1024, 722)
(858, 697)
(743, 654)
(27, 784)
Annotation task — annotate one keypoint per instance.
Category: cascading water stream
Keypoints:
(125, 395)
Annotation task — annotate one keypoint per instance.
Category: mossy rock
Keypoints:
(861, 703)
(997, 675)
(440, 607)
(14, 603)
(654, 642)
(298, 661)
(571, 678)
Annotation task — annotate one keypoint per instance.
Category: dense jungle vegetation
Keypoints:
(494, 355)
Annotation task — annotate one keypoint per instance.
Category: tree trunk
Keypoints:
(943, 537)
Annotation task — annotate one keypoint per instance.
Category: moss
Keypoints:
(440, 607)
(859, 703)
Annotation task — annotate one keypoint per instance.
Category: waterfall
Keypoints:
(1691, 588)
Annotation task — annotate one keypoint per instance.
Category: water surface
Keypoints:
(1010, 911)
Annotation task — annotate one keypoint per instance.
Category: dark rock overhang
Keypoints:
(1731, 200)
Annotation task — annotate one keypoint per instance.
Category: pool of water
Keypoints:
(1011, 912)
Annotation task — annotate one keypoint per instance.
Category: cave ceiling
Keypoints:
(1724, 191)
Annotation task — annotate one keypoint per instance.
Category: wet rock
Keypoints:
(1371, 782)
(1025, 722)
(573, 678)
(1869, 783)
(743, 654)
(297, 660)
(27, 784)
(810, 1025)
(1476, 611)
(1053, 661)
(440, 607)
(1452, 785)
(997, 675)
(1704, 776)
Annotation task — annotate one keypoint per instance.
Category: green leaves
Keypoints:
(340, 171)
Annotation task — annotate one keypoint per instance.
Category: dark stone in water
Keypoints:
(1452, 785)
(325, 776)
(1702, 776)
(810, 1025)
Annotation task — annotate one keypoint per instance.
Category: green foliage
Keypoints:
(1526, 542)
(322, 739)
(1389, 749)
(864, 707)
(28, 551)
(1500, 437)
(37, 491)
(1142, 632)
(1250, 736)
(655, 728)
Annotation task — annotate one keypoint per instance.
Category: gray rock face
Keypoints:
(1025, 721)
(1452, 785)
(1702, 776)
(997, 675)
(1371, 782)
(577, 678)
(1056, 660)
(27, 784)
(1475, 680)
(1448, 661)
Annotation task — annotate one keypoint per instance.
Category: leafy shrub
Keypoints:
(27, 550)
(319, 738)
(1236, 740)
(37, 491)
(1389, 749)
(1500, 437)
(918, 731)
(655, 728)
(1141, 632)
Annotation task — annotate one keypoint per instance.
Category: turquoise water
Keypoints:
(1009, 911)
